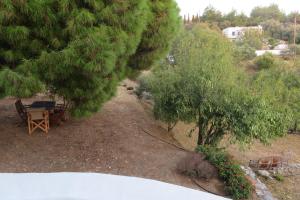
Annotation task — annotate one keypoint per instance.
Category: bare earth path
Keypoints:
(109, 142)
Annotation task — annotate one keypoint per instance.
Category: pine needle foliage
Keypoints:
(80, 49)
(152, 45)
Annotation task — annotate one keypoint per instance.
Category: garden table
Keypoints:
(48, 105)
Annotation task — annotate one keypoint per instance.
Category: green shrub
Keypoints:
(244, 52)
(143, 82)
(236, 183)
(252, 38)
(265, 61)
(279, 177)
(281, 87)
(273, 42)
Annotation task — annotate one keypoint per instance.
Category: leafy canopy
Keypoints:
(252, 38)
(260, 14)
(204, 88)
(282, 88)
(80, 49)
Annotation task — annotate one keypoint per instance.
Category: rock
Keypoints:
(268, 196)
(264, 173)
(260, 185)
(260, 188)
(249, 172)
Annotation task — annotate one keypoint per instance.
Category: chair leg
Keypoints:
(47, 125)
(29, 127)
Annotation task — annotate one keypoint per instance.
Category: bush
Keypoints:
(273, 42)
(142, 87)
(195, 165)
(244, 52)
(237, 185)
(281, 87)
(253, 38)
(265, 61)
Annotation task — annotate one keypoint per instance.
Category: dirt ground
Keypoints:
(289, 189)
(289, 146)
(111, 141)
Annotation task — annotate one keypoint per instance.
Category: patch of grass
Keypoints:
(279, 177)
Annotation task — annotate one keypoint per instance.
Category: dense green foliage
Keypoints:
(79, 49)
(281, 30)
(215, 17)
(164, 22)
(265, 61)
(243, 52)
(236, 183)
(260, 14)
(253, 38)
(282, 88)
(204, 88)
(245, 47)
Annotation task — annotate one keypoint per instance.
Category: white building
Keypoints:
(237, 32)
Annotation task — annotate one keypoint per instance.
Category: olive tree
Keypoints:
(205, 89)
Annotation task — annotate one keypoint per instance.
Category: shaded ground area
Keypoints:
(289, 189)
(109, 142)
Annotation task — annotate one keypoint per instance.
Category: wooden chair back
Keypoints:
(21, 110)
(38, 119)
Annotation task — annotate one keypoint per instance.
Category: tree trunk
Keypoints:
(201, 138)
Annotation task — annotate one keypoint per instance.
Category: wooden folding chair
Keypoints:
(38, 119)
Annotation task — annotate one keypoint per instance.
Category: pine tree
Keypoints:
(79, 49)
(164, 22)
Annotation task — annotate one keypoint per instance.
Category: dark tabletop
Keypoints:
(43, 104)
